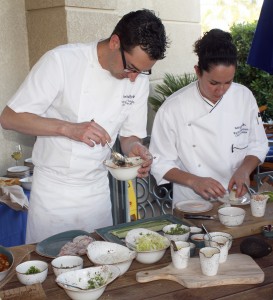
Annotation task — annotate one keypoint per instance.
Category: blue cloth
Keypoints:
(269, 155)
(261, 51)
(12, 225)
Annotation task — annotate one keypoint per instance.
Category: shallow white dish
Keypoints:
(194, 206)
(124, 172)
(18, 169)
(26, 182)
(245, 200)
(146, 257)
(75, 283)
(29, 279)
(107, 253)
(66, 263)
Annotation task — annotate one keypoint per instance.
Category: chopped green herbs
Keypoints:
(177, 230)
(96, 282)
(33, 270)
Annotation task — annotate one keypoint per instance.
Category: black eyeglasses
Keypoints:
(131, 70)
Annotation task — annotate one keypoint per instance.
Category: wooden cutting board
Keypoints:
(238, 269)
(251, 225)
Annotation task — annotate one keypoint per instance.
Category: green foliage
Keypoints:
(171, 84)
(258, 81)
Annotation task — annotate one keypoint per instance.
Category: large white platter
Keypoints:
(194, 206)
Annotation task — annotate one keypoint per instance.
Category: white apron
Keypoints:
(75, 205)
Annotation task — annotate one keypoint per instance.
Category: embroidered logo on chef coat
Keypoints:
(242, 129)
(128, 100)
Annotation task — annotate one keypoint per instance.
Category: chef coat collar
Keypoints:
(213, 105)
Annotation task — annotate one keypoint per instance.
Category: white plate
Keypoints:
(194, 206)
(245, 200)
(18, 169)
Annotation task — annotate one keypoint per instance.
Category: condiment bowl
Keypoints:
(127, 172)
(215, 233)
(87, 283)
(28, 279)
(176, 232)
(149, 245)
(198, 240)
(231, 216)
(107, 253)
(66, 263)
(6, 262)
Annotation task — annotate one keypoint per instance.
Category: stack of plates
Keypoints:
(18, 172)
(28, 163)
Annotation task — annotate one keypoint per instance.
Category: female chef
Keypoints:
(105, 81)
(208, 136)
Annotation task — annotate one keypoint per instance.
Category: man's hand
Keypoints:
(131, 146)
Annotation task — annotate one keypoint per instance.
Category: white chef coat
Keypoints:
(207, 140)
(68, 83)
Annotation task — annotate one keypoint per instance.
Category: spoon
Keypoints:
(210, 238)
(118, 159)
(73, 286)
(251, 192)
(174, 245)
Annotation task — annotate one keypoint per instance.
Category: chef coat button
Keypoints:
(199, 165)
(194, 145)
(189, 124)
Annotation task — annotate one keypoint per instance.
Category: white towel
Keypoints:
(14, 197)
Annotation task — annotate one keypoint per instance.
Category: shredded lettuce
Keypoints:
(150, 242)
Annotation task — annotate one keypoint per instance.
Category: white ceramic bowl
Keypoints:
(107, 253)
(7, 256)
(26, 182)
(149, 256)
(29, 279)
(80, 278)
(231, 216)
(124, 172)
(66, 263)
(176, 237)
(195, 230)
(215, 233)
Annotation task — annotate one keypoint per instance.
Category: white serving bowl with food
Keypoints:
(32, 271)
(149, 245)
(231, 216)
(176, 232)
(87, 283)
(26, 182)
(66, 263)
(6, 262)
(107, 253)
(126, 172)
(216, 233)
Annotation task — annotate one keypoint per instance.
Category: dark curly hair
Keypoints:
(142, 28)
(215, 48)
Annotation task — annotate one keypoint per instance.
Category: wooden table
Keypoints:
(251, 225)
(126, 287)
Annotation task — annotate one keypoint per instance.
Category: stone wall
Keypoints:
(32, 27)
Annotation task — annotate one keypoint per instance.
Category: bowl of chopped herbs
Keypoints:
(176, 232)
(32, 271)
(88, 283)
